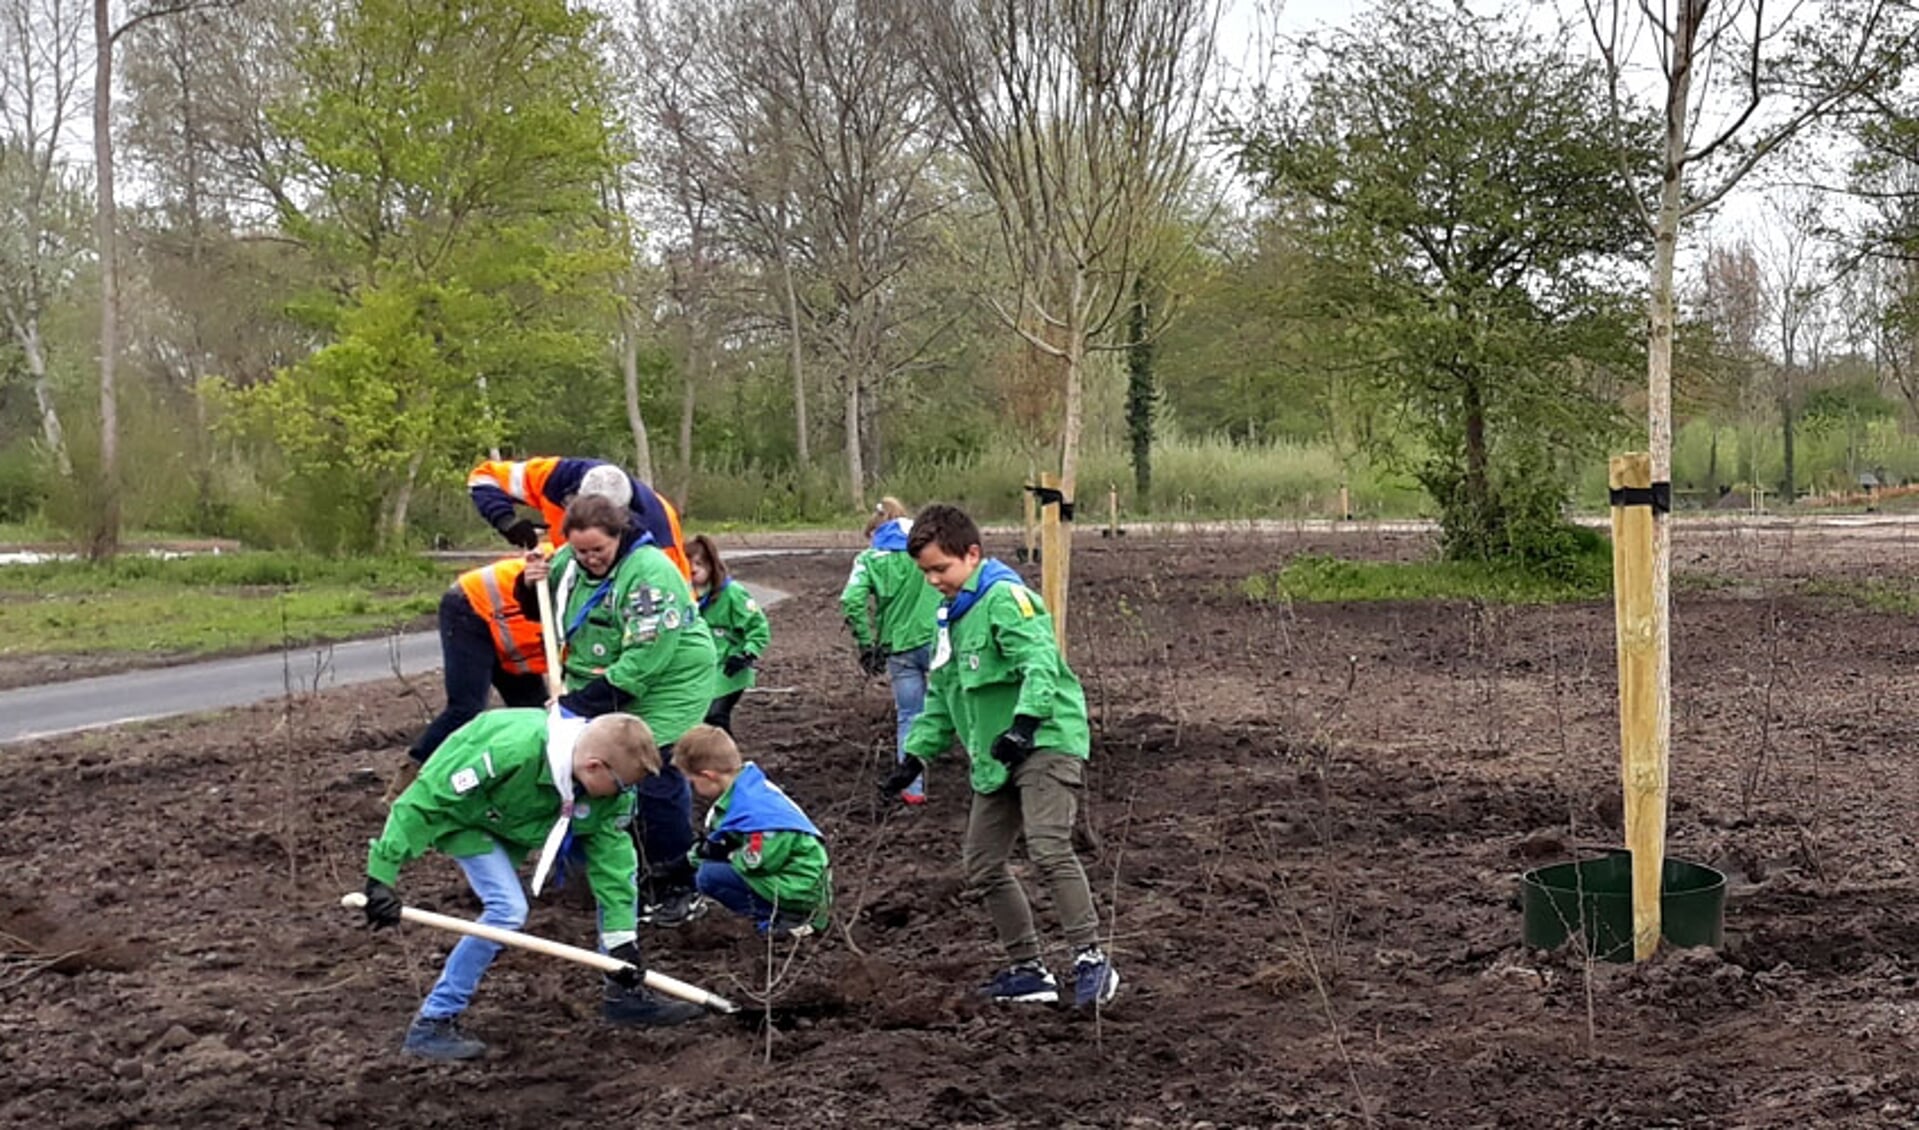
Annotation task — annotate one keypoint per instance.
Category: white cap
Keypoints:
(608, 481)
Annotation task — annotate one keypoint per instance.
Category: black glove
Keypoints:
(902, 777)
(634, 975)
(873, 659)
(522, 533)
(715, 850)
(595, 697)
(382, 905)
(736, 663)
(1011, 747)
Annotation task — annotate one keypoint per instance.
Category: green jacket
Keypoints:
(788, 869)
(641, 633)
(739, 628)
(489, 784)
(893, 583)
(999, 659)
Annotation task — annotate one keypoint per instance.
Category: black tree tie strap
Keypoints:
(1048, 496)
(1658, 496)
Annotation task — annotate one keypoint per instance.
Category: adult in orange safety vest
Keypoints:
(485, 643)
(548, 483)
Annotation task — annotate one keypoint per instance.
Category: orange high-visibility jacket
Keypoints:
(549, 482)
(516, 639)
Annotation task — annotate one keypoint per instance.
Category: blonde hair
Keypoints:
(885, 511)
(623, 742)
(706, 748)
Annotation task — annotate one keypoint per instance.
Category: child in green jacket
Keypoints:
(903, 604)
(760, 857)
(740, 629)
(632, 641)
(1000, 686)
(496, 790)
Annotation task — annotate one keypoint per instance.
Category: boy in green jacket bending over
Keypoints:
(999, 685)
(901, 646)
(760, 856)
(496, 790)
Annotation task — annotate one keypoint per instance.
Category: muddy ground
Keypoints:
(1308, 822)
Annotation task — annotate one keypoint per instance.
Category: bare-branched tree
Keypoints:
(1083, 124)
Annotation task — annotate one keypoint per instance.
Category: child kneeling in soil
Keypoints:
(496, 790)
(999, 685)
(760, 856)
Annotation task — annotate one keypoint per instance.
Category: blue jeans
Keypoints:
(906, 670)
(719, 882)
(492, 877)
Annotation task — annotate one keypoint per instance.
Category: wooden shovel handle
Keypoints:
(658, 982)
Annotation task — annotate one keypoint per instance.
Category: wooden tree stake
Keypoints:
(1642, 734)
(1029, 510)
(1051, 557)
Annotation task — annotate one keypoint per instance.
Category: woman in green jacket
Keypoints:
(898, 637)
(740, 630)
(631, 640)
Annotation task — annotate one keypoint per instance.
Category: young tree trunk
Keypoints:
(630, 377)
(1712, 463)
(1788, 479)
(104, 539)
(28, 335)
(1141, 395)
(855, 463)
(393, 536)
(687, 392)
(1478, 484)
(803, 451)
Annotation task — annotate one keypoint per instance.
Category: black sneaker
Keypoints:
(675, 908)
(643, 1008)
(440, 1038)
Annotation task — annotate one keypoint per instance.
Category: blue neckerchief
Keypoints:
(632, 539)
(758, 805)
(713, 592)
(587, 608)
(991, 571)
(890, 537)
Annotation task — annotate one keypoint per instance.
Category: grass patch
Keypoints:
(1314, 579)
(211, 603)
(1881, 596)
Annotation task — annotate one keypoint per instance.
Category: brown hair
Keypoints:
(624, 742)
(595, 512)
(948, 527)
(699, 545)
(706, 748)
(888, 509)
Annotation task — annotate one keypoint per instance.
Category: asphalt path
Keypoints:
(28, 713)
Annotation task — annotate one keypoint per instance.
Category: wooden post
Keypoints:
(1345, 503)
(1050, 557)
(1643, 735)
(1112, 510)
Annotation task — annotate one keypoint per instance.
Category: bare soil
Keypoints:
(1305, 825)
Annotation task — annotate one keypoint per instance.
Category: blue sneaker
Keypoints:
(440, 1038)
(1027, 983)
(1095, 981)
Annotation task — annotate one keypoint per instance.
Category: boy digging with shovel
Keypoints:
(494, 792)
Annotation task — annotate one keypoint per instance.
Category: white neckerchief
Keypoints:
(561, 735)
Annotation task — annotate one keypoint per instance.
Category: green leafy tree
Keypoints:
(447, 161)
(1455, 184)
